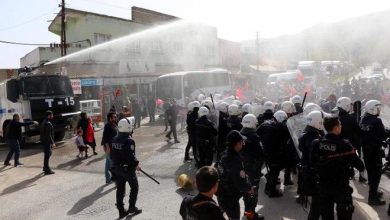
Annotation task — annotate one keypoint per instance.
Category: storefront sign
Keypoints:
(76, 86)
(91, 82)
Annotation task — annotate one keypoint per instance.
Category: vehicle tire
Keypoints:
(58, 136)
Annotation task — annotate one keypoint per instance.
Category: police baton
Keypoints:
(212, 100)
(149, 176)
(304, 99)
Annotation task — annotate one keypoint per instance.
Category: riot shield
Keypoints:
(296, 125)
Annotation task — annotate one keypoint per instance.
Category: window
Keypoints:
(157, 47)
(204, 80)
(169, 87)
(101, 38)
(133, 47)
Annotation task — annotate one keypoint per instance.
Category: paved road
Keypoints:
(78, 189)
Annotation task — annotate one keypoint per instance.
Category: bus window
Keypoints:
(206, 80)
(169, 87)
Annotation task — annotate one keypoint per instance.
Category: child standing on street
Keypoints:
(80, 144)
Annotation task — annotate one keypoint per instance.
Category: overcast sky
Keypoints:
(26, 21)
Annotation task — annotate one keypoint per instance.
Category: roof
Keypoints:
(155, 14)
(55, 25)
(264, 68)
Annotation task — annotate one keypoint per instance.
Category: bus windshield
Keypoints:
(169, 87)
(203, 80)
(49, 85)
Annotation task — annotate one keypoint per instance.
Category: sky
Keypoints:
(27, 21)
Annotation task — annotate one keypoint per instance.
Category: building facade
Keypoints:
(135, 52)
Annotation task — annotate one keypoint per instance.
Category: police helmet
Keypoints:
(208, 103)
(344, 103)
(296, 99)
(280, 116)
(309, 107)
(247, 108)
(233, 109)
(237, 102)
(184, 182)
(372, 107)
(192, 105)
(315, 119)
(288, 107)
(203, 111)
(249, 121)
(201, 97)
(223, 107)
(125, 125)
(268, 105)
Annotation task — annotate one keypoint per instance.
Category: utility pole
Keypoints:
(257, 51)
(63, 33)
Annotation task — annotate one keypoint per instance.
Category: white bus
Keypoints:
(186, 86)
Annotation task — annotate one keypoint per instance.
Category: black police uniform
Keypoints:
(234, 123)
(124, 166)
(372, 140)
(233, 182)
(200, 207)
(267, 115)
(272, 139)
(192, 116)
(205, 133)
(350, 128)
(307, 185)
(252, 154)
(223, 130)
(332, 156)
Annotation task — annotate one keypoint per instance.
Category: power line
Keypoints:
(24, 44)
(27, 22)
(36, 44)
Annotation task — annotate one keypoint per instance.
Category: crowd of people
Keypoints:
(237, 143)
(234, 144)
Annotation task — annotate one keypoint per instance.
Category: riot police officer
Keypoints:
(246, 109)
(205, 133)
(297, 101)
(125, 164)
(288, 107)
(202, 206)
(192, 116)
(332, 157)
(234, 120)
(223, 128)
(272, 138)
(289, 154)
(373, 135)
(307, 176)
(234, 181)
(351, 129)
(252, 155)
(268, 113)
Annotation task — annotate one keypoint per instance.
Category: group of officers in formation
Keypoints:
(247, 139)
